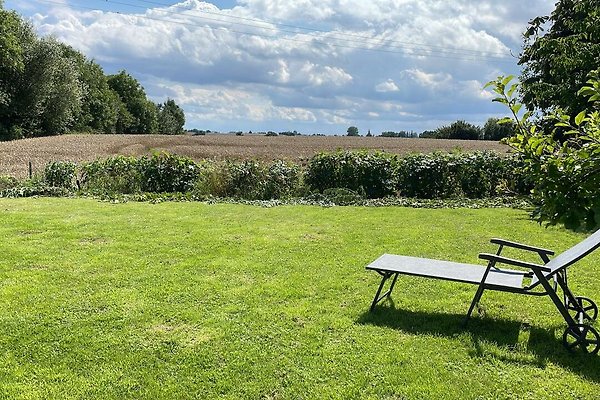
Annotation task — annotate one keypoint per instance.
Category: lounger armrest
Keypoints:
(521, 246)
(511, 261)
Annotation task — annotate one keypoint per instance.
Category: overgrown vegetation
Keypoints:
(342, 177)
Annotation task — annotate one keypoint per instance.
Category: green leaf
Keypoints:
(516, 108)
(506, 80)
(512, 89)
(580, 118)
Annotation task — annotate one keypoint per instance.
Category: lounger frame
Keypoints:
(545, 280)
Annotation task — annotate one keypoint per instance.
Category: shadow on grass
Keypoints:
(495, 338)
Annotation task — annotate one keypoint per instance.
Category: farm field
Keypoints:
(189, 300)
(15, 155)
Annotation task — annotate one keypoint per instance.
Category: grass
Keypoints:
(187, 300)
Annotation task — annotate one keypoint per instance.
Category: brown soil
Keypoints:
(15, 155)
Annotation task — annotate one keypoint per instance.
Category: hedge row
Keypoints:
(361, 174)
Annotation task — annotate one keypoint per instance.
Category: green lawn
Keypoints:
(188, 300)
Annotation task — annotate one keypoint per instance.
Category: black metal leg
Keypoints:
(476, 299)
(385, 277)
(555, 299)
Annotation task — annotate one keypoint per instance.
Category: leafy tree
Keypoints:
(556, 64)
(15, 37)
(47, 96)
(458, 130)
(352, 131)
(566, 173)
(100, 104)
(493, 130)
(139, 115)
(171, 118)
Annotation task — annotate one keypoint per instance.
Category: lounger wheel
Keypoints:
(585, 308)
(583, 336)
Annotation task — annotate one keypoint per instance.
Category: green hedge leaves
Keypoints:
(343, 174)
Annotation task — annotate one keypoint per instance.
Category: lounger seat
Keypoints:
(452, 271)
(545, 279)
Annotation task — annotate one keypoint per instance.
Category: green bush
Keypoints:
(8, 182)
(165, 172)
(371, 173)
(427, 176)
(561, 155)
(343, 175)
(118, 174)
(61, 174)
(282, 180)
(471, 175)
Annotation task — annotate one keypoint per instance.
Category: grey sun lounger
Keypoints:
(534, 279)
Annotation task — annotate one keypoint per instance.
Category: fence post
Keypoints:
(30, 170)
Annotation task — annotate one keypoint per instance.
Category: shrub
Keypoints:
(165, 172)
(472, 175)
(426, 176)
(8, 182)
(371, 173)
(118, 174)
(282, 180)
(60, 174)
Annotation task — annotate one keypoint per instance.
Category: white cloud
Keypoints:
(404, 62)
(438, 80)
(387, 86)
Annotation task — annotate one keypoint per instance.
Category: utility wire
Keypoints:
(419, 47)
(362, 37)
(417, 53)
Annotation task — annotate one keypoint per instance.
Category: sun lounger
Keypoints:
(535, 279)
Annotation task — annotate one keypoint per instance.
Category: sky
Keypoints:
(315, 66)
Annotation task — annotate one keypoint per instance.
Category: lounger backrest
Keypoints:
(574, 254)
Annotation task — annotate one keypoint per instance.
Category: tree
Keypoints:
(566, 172)
(171, 118)
(556, 64)
(458, 130)
(15, 37)
(493, 130)
(139, 115)
(352, 131)
(100, 104)
(47, 95)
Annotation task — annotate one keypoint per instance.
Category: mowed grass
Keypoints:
(188, 300)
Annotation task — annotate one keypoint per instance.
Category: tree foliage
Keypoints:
(566, 173)
(556, 63)
(139, 115)
(49, 88)
(458, 130)
(493, 130)
(352, 131)
(171, 118)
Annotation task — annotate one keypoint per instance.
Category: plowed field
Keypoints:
(15, 155)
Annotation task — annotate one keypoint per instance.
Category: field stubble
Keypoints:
(15, 155)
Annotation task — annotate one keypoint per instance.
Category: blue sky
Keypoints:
(316, 66)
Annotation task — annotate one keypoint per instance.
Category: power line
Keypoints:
(362, 37)
(418, 47)
(415, 53)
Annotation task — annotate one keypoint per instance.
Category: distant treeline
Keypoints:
(492, 130)
(49, 88)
